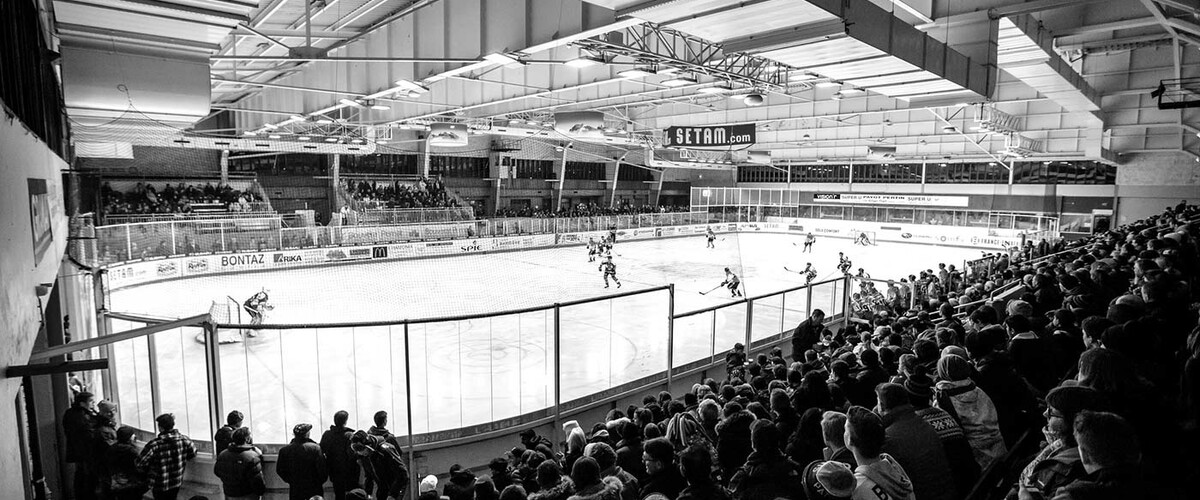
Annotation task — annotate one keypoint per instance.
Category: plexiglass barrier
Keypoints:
(442, 378)
(131, 242)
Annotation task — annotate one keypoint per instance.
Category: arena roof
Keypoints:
(819, 79)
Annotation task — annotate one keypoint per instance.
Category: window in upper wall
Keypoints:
(587, 171)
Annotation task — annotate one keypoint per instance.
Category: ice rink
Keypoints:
(472, 371)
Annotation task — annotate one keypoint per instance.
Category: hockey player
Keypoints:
(610, 269)
(810, 274)
(712, 238)
(593, 248)
(843, 263)
(862, 239)
(732, 282)
(257, 306)
(808, 243)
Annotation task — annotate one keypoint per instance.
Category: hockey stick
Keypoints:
(713, 289)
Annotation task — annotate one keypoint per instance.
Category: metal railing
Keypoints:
(131, 242)
(541, 363)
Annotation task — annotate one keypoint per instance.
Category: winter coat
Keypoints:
(733, 441)
(629, 458)
(804, 337)
(608, 489)
(882, 480)
(1117, 483)
(767, 475)
(668, 481)
(954, 442)
(629, 484)
(104, 435)
(223, 438)
(974, 411)
(917, 448)
(302, 467)
(77, 424)
(1056, 466)
(1015, 404)
(561, 491)
(341, 463)
(385, 466)
(120, 462)
(240, 470)
(461, 485)
(1032, 359)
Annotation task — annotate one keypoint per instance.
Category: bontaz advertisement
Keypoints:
(243, 261)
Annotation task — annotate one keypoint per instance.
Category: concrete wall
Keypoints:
(1148, 183)
(21, 269)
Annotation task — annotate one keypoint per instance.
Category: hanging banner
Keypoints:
(711, 137)
(915, 200)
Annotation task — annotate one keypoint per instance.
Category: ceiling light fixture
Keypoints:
(351, 102)
(304, 138)
(324, 120)
(271, 126)
(275, 136)
(585, 60)
(637, 72)
(680, 81)
(249, 133)
(380, 107)
(753, 100)
(331, 139)
(411, 87)
(296, 118)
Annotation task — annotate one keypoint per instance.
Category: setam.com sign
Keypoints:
(710, 137)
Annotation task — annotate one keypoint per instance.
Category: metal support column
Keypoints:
(670, 334)
(155, 385)
(412, 460)
(850, 179)
(612, 200)
(562, 177)
(212, 365)
(224, 172)
(749, 327)
(557, 374)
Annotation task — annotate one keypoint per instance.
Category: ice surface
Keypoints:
(475, 371)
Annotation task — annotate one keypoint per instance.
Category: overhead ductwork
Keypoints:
(1026, 51)
(134, 71)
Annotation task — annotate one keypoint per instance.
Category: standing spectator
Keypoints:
(807, 334)
(695, 464)
(382, 465)
(78, 423)
(629, 450)
(340, 461)
(125, 481)
(301, 465)
(878, 474)
(530, 440)
(767, 472)
(224, 435)
(589, 485)
(104, 435)
(957, 395)
(165, 458)
(240, 469)
(915, 445)
(552, 484)
(663, 476)
(461, 485)
(501, 473)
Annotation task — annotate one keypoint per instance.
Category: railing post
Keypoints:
(808, 302)
(216, 405)
(670, 334)
(412, 461)
(712, 339)
(749, 326)
(557, 373)
(174, 249)
(152, 363)
(222, 227)
(128, 244)
(782, 312)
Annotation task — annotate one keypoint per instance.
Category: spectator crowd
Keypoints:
(590, 210)
(425, 193)
(177, 199)
(1082, 383)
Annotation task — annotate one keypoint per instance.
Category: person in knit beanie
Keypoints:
(956, 394)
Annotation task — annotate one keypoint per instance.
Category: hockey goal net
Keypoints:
(863, 237)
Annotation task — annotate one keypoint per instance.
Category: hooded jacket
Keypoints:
(975, 412)
(767, 475)
(561, 491)
(239, 468)
(882, 480)
(608, 489)
(1056, 466)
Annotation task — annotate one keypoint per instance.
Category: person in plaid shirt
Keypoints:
(165, 457)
